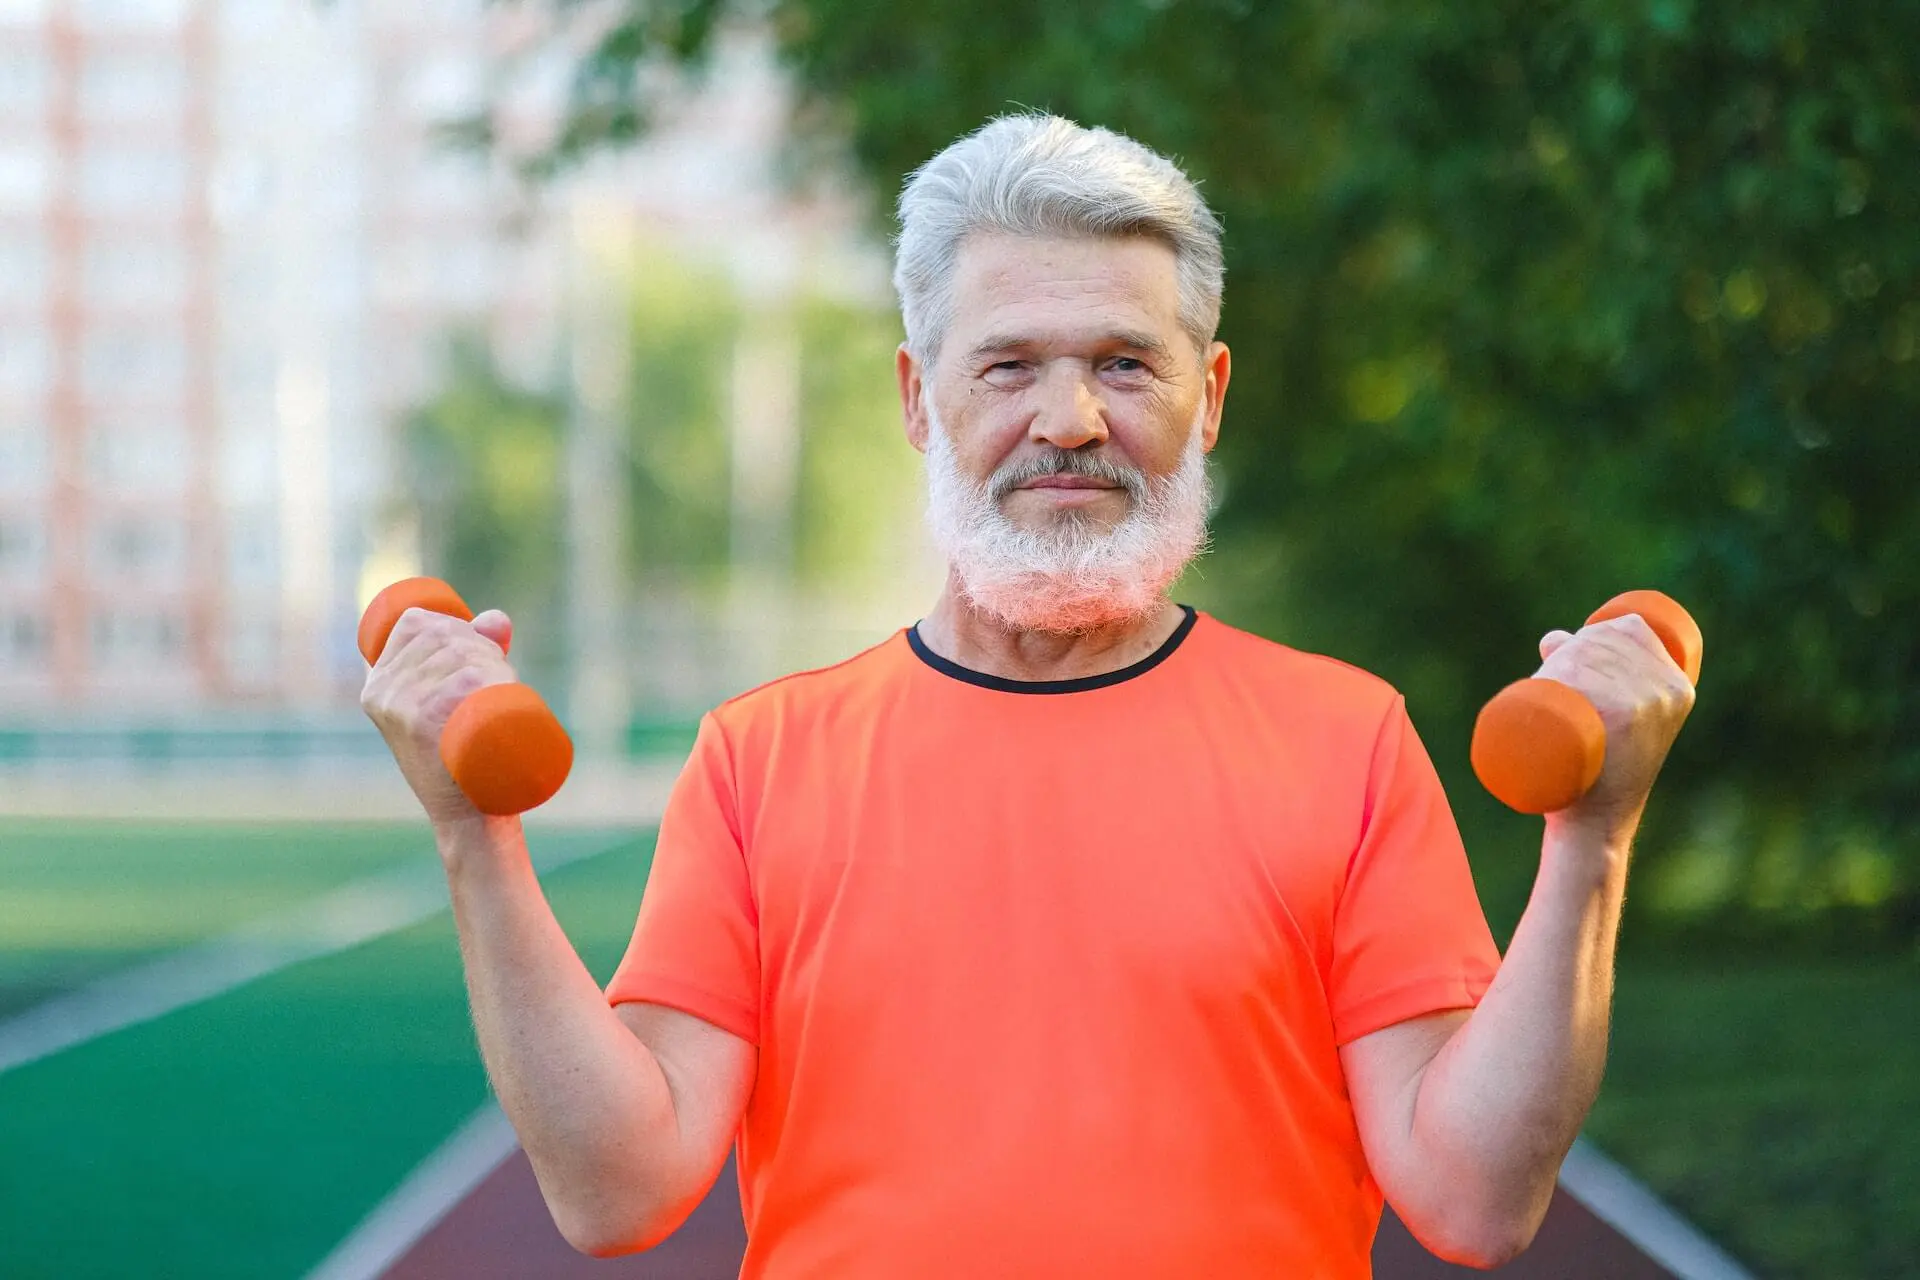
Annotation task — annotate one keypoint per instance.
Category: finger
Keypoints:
(1635, 629)
(1550, 643)
(416, 629)
(497, 627)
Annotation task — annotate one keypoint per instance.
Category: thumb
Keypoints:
(495, 626)
(1550, 643)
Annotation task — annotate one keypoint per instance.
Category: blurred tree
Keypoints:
(481, 462)
(484, 457)
(684, 321)
(1532, 303)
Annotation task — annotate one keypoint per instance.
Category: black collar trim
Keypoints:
(1080, 684)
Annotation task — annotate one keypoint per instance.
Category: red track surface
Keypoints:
(502, 1231)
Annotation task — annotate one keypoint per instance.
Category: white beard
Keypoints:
(1075, 576)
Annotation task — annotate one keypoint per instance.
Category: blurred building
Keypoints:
(231, 246)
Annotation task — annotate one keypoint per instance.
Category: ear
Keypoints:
(1219, 372)
(913, 390)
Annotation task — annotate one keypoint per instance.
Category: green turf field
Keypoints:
(245, 1136)
(242, 1137)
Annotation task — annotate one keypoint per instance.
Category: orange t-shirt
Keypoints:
(1049, 979)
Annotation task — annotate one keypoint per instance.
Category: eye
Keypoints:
(1128, 366)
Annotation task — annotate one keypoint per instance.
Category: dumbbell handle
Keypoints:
(1538, 745)
(503, 745)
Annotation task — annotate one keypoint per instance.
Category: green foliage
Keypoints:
(858, 479)
(1772, 1105)
(485, 457)
(1533, 303)
(482, 462)
(683, 323)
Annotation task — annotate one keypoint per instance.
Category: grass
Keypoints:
(246, 1136)
(85, 898)
(1777, 1105)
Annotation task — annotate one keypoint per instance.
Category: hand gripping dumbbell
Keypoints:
(1538, 745)
(503, 745)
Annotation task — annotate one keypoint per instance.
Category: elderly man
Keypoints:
(1069, 932)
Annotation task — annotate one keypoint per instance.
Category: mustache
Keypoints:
(1066, 462)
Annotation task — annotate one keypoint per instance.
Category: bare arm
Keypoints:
(625, 1115)
(1466, 1118)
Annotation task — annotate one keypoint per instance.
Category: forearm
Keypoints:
(1504, 1099)
(589, 1102)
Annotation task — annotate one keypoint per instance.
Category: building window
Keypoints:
(23, 455)
(241, 186)
(21, 13)
(22, 548)
(143, 548)
(252, 549)
(23, 79)
(134, 88)
(128, 361)
(253, 648)
(137, 640)
(132, 181)
(26, 361)
(23, 641)
(25, 177)
(145, 456)
(131, 273)
(117, 15)
(23, 266)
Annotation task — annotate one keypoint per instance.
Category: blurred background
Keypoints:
(583, 305)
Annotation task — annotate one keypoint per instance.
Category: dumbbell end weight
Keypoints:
(506, 750)
(1538, 745)
(1668, 618)
(384, 610)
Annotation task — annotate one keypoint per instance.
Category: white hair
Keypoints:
(1041, 175)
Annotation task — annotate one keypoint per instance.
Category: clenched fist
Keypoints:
(1643, 698)
(429, 666)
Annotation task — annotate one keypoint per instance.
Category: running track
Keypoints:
(502, 1230)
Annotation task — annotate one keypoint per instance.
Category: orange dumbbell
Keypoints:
(502, 744)
(1538, 745)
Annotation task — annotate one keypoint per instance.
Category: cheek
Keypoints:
(985, 427)
(1154, 435)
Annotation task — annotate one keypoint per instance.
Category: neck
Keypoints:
(962, 634)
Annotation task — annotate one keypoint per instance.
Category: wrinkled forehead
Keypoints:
(1063, 290)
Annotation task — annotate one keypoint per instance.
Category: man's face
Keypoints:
(1065, 420)
(1068, 345)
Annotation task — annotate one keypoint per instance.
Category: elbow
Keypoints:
(1494, 1251)
(606, 1231)
(602, 1239)
(1481, 1243)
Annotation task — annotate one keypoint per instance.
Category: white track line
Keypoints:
(1618, 1199)
(417, 1205)
(358, 912)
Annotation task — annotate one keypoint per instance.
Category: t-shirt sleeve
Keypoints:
(1409, 935)
(695, 944)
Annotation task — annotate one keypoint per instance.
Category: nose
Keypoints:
(1070, 414)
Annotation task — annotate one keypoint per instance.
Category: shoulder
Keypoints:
(1303, 681)
(850, 686)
